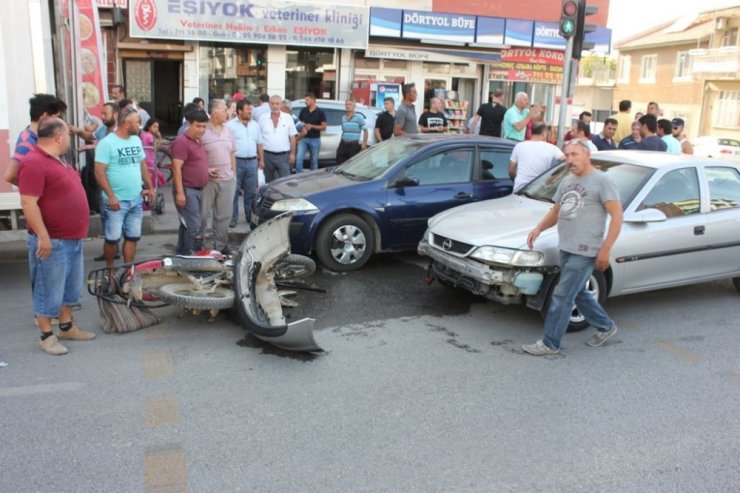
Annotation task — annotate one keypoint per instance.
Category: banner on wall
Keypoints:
(529, 65)
(90, 60)
(253, 21)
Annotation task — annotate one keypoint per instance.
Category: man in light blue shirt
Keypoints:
(516, 118)
(249, 155)
(665, 132)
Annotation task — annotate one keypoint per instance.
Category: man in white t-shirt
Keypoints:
(532, 157)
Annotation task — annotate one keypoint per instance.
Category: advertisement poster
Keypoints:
(529, 65)
(90, 60)
(256, 21)
(388, 90)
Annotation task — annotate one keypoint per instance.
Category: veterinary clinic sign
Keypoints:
(251, 21)
(529, 65)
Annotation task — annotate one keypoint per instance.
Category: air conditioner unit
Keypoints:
(720, 23)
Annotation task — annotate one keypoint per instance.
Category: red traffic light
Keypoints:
(570, 7)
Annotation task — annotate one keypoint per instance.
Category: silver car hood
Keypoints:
(504, 221)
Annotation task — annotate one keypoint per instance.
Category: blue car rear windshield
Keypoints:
(629, 178)
(378, 159)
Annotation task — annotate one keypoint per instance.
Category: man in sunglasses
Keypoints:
(677, 128)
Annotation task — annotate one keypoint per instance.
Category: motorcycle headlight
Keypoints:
(294, 205)
(509, 256)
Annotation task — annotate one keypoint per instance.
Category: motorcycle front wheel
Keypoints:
(187, 295)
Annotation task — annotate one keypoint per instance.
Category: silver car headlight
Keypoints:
(509, 256)
(294, 205)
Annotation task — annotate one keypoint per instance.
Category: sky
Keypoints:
(629, 17)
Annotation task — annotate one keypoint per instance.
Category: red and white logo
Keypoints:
(146, 14)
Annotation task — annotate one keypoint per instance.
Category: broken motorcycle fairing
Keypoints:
(257, 299)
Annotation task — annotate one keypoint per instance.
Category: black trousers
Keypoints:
(347, 149)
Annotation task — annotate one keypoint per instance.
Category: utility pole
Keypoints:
(565, 90)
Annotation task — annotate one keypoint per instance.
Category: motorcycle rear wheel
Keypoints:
(187, 296)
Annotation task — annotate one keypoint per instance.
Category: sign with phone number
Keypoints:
(258, 21)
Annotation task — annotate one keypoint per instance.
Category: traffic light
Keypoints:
(569, 18)
(579, 43)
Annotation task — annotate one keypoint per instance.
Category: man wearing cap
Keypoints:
(677, 128)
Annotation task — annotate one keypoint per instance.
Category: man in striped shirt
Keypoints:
(42, 106)
(353, 128)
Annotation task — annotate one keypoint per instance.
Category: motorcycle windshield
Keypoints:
(257, 299)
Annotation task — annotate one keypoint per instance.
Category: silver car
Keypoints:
(334, 111)
(681, 226)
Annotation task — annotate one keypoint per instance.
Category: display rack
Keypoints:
(457, 115)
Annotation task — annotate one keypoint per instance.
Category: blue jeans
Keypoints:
(125, 221)
(313, 145)
(571, 288)
(56, 280)
(246, 181)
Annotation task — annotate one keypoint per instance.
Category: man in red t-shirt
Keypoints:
(58, 216)
(189, 176)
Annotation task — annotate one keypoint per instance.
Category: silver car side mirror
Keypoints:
(645, 216)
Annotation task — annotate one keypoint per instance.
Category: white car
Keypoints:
(681, 226)
(334, 111)
(718, 147)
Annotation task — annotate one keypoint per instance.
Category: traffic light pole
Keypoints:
(565, 90)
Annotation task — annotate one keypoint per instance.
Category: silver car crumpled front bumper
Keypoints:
(498, 284)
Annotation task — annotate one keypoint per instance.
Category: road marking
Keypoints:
(669, 347)
(46, 388)
(161, 409)
(158, 333)
(732, 377)
(165, 470)
(158, 365)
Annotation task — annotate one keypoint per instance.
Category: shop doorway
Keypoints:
(310, 70)
(167, 102)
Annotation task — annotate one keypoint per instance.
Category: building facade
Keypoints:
(691, 67)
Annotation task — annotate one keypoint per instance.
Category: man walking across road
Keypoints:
(218, 194)
(120, 168)
(531, 158)
(516, 118)
(278, 141)
(491, 115)
(353, 129)
(605, 140)
(249, 158)
(313, 119)
(189, 177)
(384, 122)
(581, 205)
(434, 120)
(58, 217)
(406, 113)
(624, 120)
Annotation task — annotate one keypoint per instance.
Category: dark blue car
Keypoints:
(380, 200)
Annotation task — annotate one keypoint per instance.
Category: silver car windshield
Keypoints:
(377, 160)
(629, 178)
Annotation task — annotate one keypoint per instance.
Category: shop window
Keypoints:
(368, 63)
(232, 69)
(396, 64)
(138, 79)
(310, 70)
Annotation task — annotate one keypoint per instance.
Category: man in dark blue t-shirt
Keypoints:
(650, 140)
(605, 140)
(313, 119)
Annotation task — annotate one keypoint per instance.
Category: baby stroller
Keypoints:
(158, 179)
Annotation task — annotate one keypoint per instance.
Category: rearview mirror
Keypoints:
(645, 216)
(407, 181)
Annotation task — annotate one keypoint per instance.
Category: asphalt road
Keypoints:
(419, 389)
